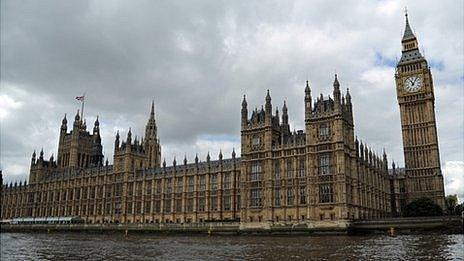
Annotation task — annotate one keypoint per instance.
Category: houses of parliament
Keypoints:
(322, 174)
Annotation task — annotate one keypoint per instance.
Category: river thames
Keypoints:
(80, 246)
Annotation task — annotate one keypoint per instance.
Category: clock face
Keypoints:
(413, 83)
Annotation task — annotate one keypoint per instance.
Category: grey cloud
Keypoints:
(197, 59)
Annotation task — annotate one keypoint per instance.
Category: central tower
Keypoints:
(414, 88)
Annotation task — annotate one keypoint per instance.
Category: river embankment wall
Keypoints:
(445, 224)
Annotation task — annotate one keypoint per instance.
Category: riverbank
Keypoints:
(446, 225)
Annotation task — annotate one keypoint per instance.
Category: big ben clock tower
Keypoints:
(414, 88)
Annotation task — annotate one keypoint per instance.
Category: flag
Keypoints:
(80, 98)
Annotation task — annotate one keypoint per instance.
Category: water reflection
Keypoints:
(72, 246)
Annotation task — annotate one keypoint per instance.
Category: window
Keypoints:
(302, 171)
(302, 195)
(214, 181)
(168, 186)
(178, 205)
(201, 204)
(255, 142)
(226, 202)
(167, 205)
(202, 182)
(289, 196)
(323, 132)
(289, 169)
(179, 185)
(190, 184)
(277, 197)
(147, 208)
(157, 206)
(213, 203)
(277, 169)
(189, 204)
(325, 193)
(324, 164)
(227, 181)
(148, 188)
(255, 197)
(256, 171)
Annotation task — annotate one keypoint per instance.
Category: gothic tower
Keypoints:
(152, 147)
(414, 88)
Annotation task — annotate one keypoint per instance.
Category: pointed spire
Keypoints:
(174, 162)
(244, 102)
(268, 96)
(164, 163)
(408, 34)
(77, 119)
(106, 162)
(152, 112)
(129, 137)
(336, 92)
(196, 158)
(33, 158)
(51, 158)
(208, 158)
(307, 89)
(97, 123)
(185, 159)
(220, 154)
(233, 153)
(284, 114)
(41, 154)
(336, 84)
(65, 120)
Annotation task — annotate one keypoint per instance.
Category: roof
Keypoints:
(408, 34)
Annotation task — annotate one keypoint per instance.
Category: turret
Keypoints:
(244, 112)
(233, 153)
(220, 155)
(151, 144)
(336, 93)
(284, 114)
(96, 127)
(307, 99)
(77, 120)
(129, 137)
(185, 160)
(196, 159)
(268, 109)
(208, 158)
(33, 158)
(64, 124)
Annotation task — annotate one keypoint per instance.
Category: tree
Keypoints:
(422, 207)
(451, 202)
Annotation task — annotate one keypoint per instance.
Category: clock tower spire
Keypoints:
(415, 93)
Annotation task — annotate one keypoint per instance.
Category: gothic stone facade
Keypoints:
(320, 175)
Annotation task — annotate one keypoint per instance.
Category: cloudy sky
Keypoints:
(196, 59)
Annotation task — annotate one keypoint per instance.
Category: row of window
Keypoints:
(324, 168)
(325, 196)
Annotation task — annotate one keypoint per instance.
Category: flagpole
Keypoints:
(82, 109)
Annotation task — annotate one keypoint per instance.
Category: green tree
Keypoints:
(451, 202)
(422, 207)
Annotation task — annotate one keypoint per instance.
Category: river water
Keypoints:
(80, 246)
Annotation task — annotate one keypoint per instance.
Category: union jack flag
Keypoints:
(80, 98)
